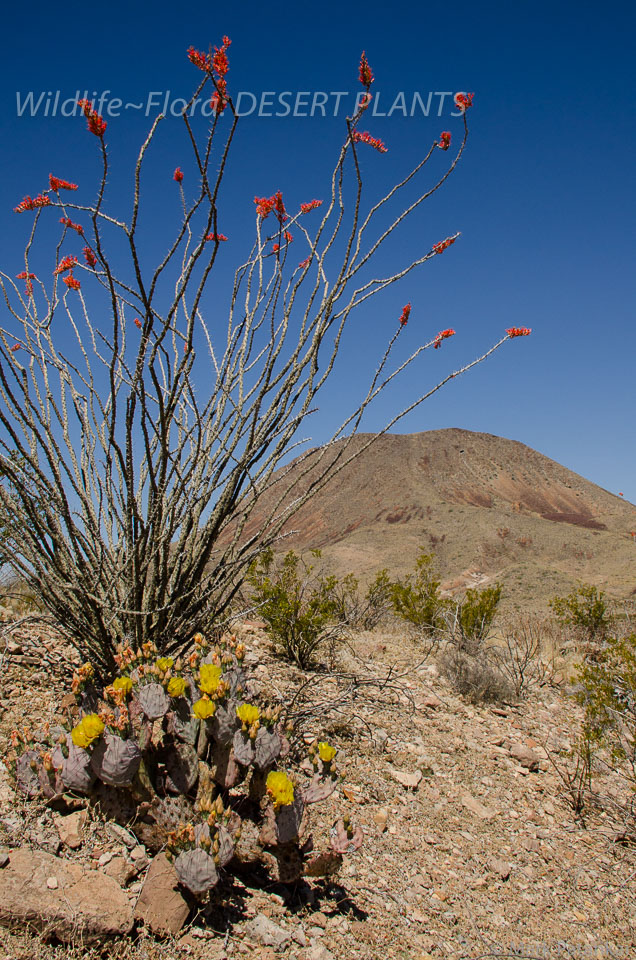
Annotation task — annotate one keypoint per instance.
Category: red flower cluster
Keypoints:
(305, 263)
(215, 236)
(406, 313)
(367, 138)
(364, 103)
(442, 335)
(265, 205)
(444, 245)
(519, 332)
(201, 60)
(72, 282)
(220, 67)
(32, 203)
(66, 264)
(365, 74)
(89, 256)
(463, 101)
(288, 236)
(28, 277)
(77, 227)
(57, 184)
(96, 124)
(16, 346)
(138, 322)
(444, 140)
(178, 175)
(306, 207)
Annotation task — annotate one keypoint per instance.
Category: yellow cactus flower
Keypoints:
(176, 687)
(164, 663)
(123, 683)
(88, 729)
(280, 788)
(326, 752)
(248, 714)
(209, 677)
(203, 708)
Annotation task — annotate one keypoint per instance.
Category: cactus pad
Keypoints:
(153, 700)
(196, 870)
(115, 761)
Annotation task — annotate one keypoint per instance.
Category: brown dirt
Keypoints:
(481, 858)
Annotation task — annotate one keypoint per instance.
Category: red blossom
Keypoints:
(519, 332)
(89, 256)
(96, 124)
(288, 237)
(219, 100)
(57, 184)
(265, 205)
(313, 205)
(32, 203)
(443, 335)
(463, 101)
(276, 247)
(404, 317)
(138, 322)
(72, 226)
(364, 103)
(16, 346)
(178, 175)
(66, 264)
(72, 282)
(444, 244)
(28, 277)
(201, 60)
(365, 74)
(216, 236)
(444, 140)
(305, 263)
(367, 138)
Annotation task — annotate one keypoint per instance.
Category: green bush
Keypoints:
(475, 615)
(300, 607)
(417, 600)
(586, 610)
(608, 692)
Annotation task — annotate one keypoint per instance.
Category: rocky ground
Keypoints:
(471, 848)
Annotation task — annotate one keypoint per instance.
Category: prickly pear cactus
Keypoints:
(180, 722)
(344, 837)
(243, 749)
(115, 761)
(267, 748)
(76, 770)
(225, 723)
(196, 870)
(153, 700)
(27, 779)
(181, 766)
(319, 789)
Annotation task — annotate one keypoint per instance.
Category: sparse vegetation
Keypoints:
(586, 610)
(417, 599)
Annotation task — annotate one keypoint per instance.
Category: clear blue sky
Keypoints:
(545, 195)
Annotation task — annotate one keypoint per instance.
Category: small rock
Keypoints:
(52, 883)
(319, 952)
(476, 807)
(71, 828)
(160, 904)
(410, 781)
(526, 757)
(138, 852)
(381, 818)
(121, 870)
(4, 859)
(105, 858)
(265, 931)
(500, 867)
(120, 833)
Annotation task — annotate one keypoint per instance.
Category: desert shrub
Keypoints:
(417, 599)
(363, 611)
(476, 678)
(573, 768)
(475, 614)
(586, 610)
(519, 655)
(607, 691)
(189, 760)
(299, 605)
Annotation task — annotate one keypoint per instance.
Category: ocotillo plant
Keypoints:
(128, 487)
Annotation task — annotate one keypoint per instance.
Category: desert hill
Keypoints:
(487, 507)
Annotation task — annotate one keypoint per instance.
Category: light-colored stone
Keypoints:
(500, 867)
(121, 870)
(410, 781)
(160, 905)
(265, 931)
(85, 905)
(525, 755)
(474, 805)
(71, 828)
